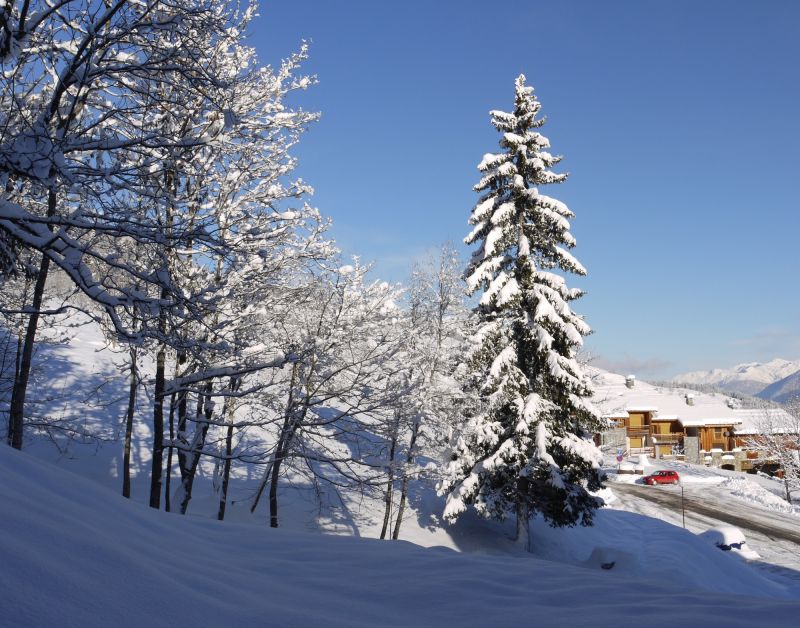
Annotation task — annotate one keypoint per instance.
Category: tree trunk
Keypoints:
(523, 537)
(412, 444)
(20, 390)
(273, 490)
(168, 476)
(261, 486)
(158, 429)
(387, 512)
(226, 470)
(176, 400)
(198, 442)
(292, 425)
(286, 415)
(126, 454)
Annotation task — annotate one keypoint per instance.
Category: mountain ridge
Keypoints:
(784, 390)
(749, 378)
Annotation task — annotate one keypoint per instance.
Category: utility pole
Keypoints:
(683, 509)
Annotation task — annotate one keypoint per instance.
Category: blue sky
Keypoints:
(679, 126)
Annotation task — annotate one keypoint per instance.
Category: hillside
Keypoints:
(66, 533)
(749, 378)
(612, 396)
(784, 390)
(76, 554)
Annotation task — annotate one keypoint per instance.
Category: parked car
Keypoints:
(662, 477)
(729, 539)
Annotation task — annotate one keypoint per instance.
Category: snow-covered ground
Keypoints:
(77, 554)
(754, 498)
(74, 548)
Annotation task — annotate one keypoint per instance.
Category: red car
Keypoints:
(662, 477)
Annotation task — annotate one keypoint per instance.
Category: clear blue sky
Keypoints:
(678, 121)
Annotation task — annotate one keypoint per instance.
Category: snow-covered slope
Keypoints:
(613, 396)
(784, 390)
(73, 553)
(749, 378)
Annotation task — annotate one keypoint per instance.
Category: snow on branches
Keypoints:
(525, 447)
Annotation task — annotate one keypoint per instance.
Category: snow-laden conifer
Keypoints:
(525, 448)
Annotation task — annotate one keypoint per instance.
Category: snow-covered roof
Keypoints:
(612, 395)
(757, 420)
(615, 400)
(709, 422)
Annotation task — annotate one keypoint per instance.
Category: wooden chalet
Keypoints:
(668, 422)
(712, 434)
(667, 435)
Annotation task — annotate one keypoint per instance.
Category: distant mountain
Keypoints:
(749, 379)
(783, 390)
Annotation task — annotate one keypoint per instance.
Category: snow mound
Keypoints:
(752, 492)
(609, 558)
(75, 553)
(730, 539)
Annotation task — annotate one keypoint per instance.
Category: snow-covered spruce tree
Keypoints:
(525, 448)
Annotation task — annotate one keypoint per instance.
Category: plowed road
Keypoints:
(739, 514)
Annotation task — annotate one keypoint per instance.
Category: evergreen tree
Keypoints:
(526, 447)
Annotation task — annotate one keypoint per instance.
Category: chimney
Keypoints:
(630, 381)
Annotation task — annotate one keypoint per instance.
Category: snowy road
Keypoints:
(775, 536)
(740, 514)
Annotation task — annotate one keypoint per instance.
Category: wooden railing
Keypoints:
(668, 437)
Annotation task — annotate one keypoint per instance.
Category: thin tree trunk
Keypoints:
(20, 390)
(404, 488)
(168, 478)
(389, 496)
(158, 429)
(226, 470)
(268, 473)
(523, 537)
(280, 450)
(261, 486)
(177, 400)
(126, 454)
(273, 490)
(198, 442)
(285, 442)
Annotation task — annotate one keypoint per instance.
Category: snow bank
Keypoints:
(75, 553)
(752, 492)
(651, 549)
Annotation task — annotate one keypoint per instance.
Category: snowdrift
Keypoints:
(73, 553)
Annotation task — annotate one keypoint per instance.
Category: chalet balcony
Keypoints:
(668, 438)
(637, 432)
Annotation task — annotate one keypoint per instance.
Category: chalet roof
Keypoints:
(724, 421)
(760, 420)
(612, 395)
(615, 399)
